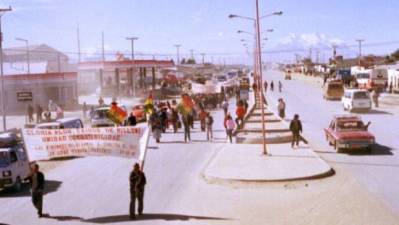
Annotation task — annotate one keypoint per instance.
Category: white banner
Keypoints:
(208, 88)
(128, 142)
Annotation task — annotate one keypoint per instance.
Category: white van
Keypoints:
(356, 100)
(64, 123)
(100, 118)
(14, 162)
(372, 79)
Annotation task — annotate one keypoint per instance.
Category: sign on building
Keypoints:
(24, 96)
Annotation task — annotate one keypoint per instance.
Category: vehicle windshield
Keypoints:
(351, 126)
(4, 159)
(100, 114)
(363, 75)
(335, 86)
(361, 95)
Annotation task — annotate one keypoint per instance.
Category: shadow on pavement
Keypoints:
(373, 111)
(153, 147)
(50, 186)
(155, 216)
(376, 149)
(62, 218)
(171, 142)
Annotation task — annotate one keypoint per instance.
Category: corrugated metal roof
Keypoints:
(20, 68)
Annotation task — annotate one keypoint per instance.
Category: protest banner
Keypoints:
(128, 142)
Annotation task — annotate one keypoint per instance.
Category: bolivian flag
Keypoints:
(149, 105)
(186, 105)
(116, 114)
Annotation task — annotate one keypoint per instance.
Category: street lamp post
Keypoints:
(132, 39)
(2, 11)
(258, 60)
(27, 52)
(360, 50)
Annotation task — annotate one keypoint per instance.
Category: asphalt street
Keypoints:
(378, 171)
(95, 190)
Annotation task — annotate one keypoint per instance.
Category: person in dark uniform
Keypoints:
(36, 180)
(296, 129)
(137, 183)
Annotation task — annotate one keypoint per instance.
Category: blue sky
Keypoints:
(202, 25)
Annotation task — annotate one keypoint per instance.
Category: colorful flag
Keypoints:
(186, 105)
(116, 114)
(149, 105)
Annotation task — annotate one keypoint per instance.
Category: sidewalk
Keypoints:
(246, 163)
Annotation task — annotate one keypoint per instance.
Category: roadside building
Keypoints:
(119, 77)
(50, 77)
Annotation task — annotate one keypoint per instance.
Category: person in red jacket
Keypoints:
(240, 113)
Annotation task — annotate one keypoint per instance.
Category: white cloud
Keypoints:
(306, 40)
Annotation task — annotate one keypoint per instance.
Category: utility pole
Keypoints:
(310, 54)
(317, 56)
(27, 52)
(102, 46)
(360, 50)
(203, 58)
(177, 53)
(132, 39)
(334, 51)
(2, 12)
(78, 36)
(192, 53)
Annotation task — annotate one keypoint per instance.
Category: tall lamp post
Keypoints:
(258, 61)
(132, 39)
(27, 52)
(3, 105)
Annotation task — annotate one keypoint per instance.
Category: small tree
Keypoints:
(395, 55)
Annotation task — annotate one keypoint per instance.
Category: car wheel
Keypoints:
(18, 184)
(338, 149)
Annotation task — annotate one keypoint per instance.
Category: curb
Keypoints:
(212, 179)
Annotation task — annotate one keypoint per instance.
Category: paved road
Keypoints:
(378, 172)
(94, 190)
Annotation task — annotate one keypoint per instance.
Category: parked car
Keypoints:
(62, 124)
(100, 118)
(356, 100)
(334, 90)
(349, 132)
(139, 113)
(14, 162)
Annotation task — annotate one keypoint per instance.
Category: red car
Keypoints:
(349, 132)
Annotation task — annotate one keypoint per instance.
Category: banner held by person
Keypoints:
(44, 144)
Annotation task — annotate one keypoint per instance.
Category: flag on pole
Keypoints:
(149, 104)
(116, 114)
(186, 105)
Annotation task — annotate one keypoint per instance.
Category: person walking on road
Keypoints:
(131, 120)
(30, 112)
(375, 97)
(296, 129)
(84, 110)
(156, 126)
(137, 183)
(230, 126)
(272, 86)
(36, 180)
(209, 123)
(240, 113)
(39, 111)
(225, 106)
(265, 85)
(280, 86)
(202, 117)
(281, 108)
(187, 126)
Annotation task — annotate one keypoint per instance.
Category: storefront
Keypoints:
(38, 89)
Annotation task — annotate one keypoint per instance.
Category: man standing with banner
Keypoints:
(137, 182)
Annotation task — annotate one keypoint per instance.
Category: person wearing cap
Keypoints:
(137, 182)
